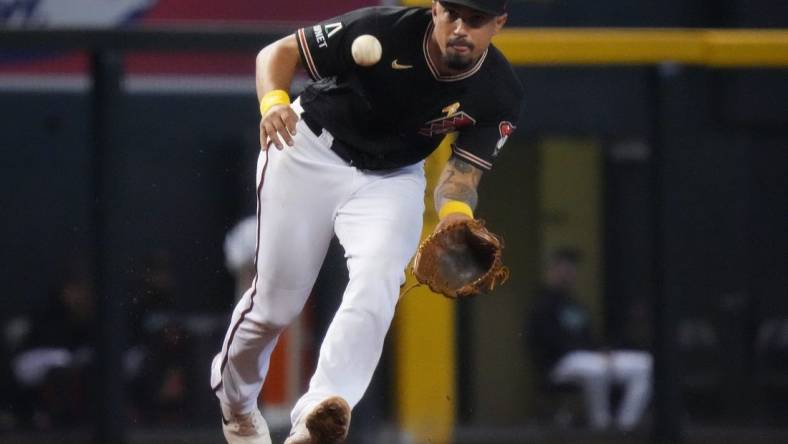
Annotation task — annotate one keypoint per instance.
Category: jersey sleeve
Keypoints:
(501, 105)
(481, 144)
(325, 47)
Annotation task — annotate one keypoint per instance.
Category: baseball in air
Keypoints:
(366, 50)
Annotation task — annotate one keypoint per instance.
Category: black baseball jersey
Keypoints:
(396, 112)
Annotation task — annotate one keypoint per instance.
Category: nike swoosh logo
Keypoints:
(396, 65)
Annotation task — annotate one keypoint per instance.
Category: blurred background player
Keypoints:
(239, 249)
(53, 353)
(565, 349)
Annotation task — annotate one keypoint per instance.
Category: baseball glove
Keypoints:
(460, 260)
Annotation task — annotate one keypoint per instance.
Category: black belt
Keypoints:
(315, 127)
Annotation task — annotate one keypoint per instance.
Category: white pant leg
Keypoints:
(632, 369)
(299, 190)
(379, 227)
(591, 371)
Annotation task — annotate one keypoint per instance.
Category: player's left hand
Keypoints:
(278, 124)
(461, 258)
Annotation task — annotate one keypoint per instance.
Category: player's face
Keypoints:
(562, 274)
(462, 33)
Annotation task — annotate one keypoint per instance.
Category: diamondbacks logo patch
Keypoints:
(454, 120)
(505, 129)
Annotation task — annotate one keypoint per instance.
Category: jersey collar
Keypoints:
(448, 78)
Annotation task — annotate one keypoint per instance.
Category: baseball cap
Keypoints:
(492, 7)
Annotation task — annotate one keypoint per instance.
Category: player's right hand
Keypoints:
(278, 123)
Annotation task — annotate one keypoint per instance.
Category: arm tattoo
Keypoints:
(461, 165)
(458, 182)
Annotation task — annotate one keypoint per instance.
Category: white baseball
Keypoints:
(366, 50)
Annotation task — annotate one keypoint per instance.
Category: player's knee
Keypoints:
(642, 364)
(273, 326)
(277, 320)
(594, 373)
(647, 366)
(275, 317)
(275, 307)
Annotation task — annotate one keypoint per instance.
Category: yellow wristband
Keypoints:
(271, 98)
(455, 206)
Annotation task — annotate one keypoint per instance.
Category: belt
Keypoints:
(315, 127)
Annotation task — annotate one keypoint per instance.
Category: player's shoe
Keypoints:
(248, 428)
(327, 423)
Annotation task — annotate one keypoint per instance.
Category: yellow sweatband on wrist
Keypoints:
(455, 206)
(271, 98)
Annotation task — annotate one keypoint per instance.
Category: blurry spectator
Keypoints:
(160, 389)
(562, 343)
(158, 359)
(53, 351)
(8, 342)
(153, 290)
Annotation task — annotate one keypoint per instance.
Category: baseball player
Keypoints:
(346, 158)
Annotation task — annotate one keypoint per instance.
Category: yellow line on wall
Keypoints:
(606, 46)
(746, 48)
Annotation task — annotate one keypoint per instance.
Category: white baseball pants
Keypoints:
(595, 372)
(306, 193)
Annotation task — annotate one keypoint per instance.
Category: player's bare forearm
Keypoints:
(275, 68)
(276, 65)
(459, 181)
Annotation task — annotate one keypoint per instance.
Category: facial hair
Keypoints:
(458, 62)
